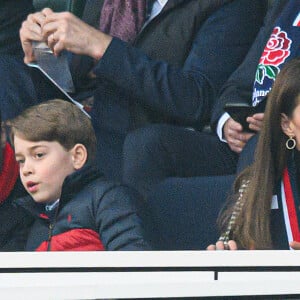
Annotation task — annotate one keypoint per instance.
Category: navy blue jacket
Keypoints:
(93, 214)
(175, 70)
(171, 74)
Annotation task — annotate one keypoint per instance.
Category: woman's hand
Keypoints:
(231, 245)
(295, 245)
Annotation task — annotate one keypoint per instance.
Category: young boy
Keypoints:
(74, 207)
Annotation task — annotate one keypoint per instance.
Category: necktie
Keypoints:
(123, 18)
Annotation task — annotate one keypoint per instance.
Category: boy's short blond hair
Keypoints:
(55, 120)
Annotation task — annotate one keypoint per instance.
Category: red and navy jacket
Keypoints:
(93, 214)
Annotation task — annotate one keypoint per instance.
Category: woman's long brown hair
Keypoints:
(252, 225)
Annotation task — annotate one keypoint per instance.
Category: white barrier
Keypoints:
(128, 275)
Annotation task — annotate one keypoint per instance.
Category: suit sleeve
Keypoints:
(119, 221)
(187, 94)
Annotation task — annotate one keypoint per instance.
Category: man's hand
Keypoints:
(255, 121)
(235, 136)
(64, 31)
(31, 30)
(231, 245)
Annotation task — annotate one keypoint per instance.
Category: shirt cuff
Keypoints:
(220, 126)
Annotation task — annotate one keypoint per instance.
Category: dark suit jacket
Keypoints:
(239, 86)
(178, 73)
(173, 73)
(12, 14)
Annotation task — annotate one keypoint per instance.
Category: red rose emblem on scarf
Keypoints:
(277, 48)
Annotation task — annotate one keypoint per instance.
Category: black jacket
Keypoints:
(93, 214)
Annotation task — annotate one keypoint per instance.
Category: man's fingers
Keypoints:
(233, 125)
(37, 18)
(28, 55)
(50, 28)
(256, 121)
(231, 131)
(30, 31)
(235, 148)
(244, 137)
(66, 17)
(255, 127)
(237, 140)
(58, 47)
(47, 11)
(258, 116)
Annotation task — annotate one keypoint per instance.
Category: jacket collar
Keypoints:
(171, 4)
(71, 186)
(93, 8)
(77, 180)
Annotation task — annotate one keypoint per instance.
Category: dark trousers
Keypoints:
(154, 153)
(181, 213)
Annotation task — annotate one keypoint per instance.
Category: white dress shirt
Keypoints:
(157, 7)
(220, 126)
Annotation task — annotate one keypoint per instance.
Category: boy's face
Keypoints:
(43, 168)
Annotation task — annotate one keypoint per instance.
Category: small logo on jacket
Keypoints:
(297, 21)
(69, 218)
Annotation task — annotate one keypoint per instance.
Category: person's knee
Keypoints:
(143, 140)
(145, 157)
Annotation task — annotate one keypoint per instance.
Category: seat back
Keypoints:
(74, 6)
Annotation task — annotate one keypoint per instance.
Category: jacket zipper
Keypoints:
(51, 225)
(50, 231)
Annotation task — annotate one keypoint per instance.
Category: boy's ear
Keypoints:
(286, 125)
(79, 156)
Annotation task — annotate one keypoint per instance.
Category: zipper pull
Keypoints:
(51, 225)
